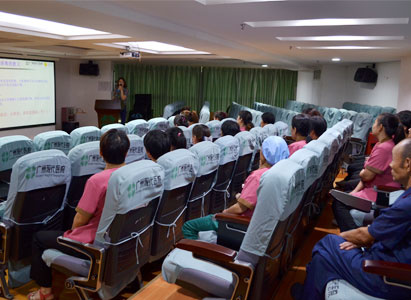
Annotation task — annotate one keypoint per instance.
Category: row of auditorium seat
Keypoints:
(286, 195)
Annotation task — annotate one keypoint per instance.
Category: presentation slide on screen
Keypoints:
(27, 93)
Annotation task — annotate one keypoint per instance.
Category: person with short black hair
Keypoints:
(200, 133)
(114, 145)
(245, 120)
(318, 126)
(156, 143)
(176, 138)
(121, 93)
(404, 127)
(300, 127)
(220, 115)
(267, 118)
(180, 120)
(230, 128)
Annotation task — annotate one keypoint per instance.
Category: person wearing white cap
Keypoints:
(274, 149)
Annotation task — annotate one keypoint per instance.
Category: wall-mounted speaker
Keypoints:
(89, 69)
(366, 75)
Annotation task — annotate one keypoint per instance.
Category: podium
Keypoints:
(108, 111)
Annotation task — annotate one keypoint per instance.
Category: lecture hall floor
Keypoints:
(155, 288)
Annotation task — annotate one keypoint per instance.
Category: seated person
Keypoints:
(376, 171)
(114, 145)
(201, 133)
(176, 138)
(388, 238)
(267, 118)
(180, 120)
(230, 128)
(245, 120)
(220, 115)
(404, 126)
(318, 126)
(191, 116)
(156, 143)
(311, 112)
(300, 126)
(274, 149)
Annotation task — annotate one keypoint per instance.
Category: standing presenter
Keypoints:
(121, 93)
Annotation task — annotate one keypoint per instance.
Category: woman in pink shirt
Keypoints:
(376, 171)
(245, 120)
(300, 128)
(114, 145)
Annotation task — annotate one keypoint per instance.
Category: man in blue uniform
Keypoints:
(388, 238)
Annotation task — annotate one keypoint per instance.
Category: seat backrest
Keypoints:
(171, 121)
(136, 150)
(229, 149)
(215, 128)
(125, 227)
(11, 149)
(56, 139)
(375, 111)
(158, 123)
(348, 105)
(171, 109)
(188, 135)
(290, 116)
(246, 141)
(84, 134)
(282, 128)
(228, 119)
(289, 104)
(310, 162)
(256, 116)
(180, 169)
(332, 143)
(205, 113)
(138, 127)
(260, 135)
(271, 129)
(280, 192)
(117, 126)
(388, 109)
(208, 155)
(235, 108)
(362, 125)
(323, 152)
(38, 188)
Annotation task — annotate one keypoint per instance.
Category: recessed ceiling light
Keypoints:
(336, 59)
(329, 22)
(213, 2)
(336, 38)
(155, 47)
(343, 48)
(44, 26)
(264, 66)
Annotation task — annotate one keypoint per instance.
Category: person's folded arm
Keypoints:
(368, 173)
(359, 237)
(81, 218)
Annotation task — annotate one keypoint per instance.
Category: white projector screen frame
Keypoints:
(26, 83)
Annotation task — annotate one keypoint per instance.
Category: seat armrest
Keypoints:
(5, 231)
(356, 140)
(389, 269)
(230, 218)
(97, 259)
(386, 188)
(207, 250)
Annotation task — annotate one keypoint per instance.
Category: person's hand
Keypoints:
(237, 196)
(347, 246)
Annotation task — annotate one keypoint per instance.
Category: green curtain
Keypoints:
(166, 84)
(218, 85)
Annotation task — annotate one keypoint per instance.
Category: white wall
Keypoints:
(404, 94)
(337, 85)
(81, 91)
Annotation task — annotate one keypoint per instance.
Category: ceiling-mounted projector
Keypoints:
(130, 54)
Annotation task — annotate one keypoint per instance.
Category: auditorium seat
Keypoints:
(205, 113)
(282, 128)
(187, 134)
(56, 139)
(36, 199)
(11, 148)
(85, 161)
(180, 167)
(229, 152)
(171, 121)
(215, 129)
(253, 271)
(117, 126)
(260, 135)
(289, 115)
(123, 238)
(136, 151)
(172, 109)
(271, 129)
(84, 134)
(208, 155)
(246, 141)
(158, 123)
(138, 127)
